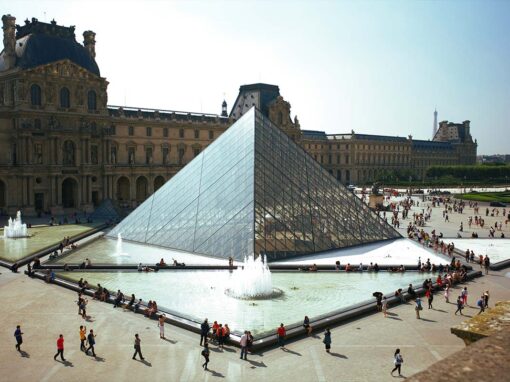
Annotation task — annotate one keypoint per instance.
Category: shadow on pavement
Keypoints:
(291, 352)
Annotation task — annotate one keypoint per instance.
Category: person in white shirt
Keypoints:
(244, 345)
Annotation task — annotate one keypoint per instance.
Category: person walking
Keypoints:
(418, 307)
(138, 349)
(205, 353)
(243, 342)
(460, 305)
(327, 340)
(60, 348)
(430, 298)
(447, 293)
(83, 337)
(91, 338)
(280, 333)
(398, 361)
(204, 331)
(161, 324)
(18, 334)
(385, 306)
(481, 305)
(486, 299)
(487, 264)
(464, 295)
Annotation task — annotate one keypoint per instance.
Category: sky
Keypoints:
(375, 67)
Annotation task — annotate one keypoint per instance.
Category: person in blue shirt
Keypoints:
(19, 339)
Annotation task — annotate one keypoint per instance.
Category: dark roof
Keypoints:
(432, 145)
(370, 137)
(43, 49)
(133, 112)
(313, 134)
(262, 87)
(39, 43)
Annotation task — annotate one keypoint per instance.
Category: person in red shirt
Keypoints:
(220, 332)
(439, 281)
(60, 348)
(215, 330)
(280, 333)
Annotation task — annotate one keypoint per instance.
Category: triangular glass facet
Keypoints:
(253, 190)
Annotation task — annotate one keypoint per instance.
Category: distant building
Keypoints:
(496, 158)
(63, 149)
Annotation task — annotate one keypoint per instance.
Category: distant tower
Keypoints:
(224, 109)
(435, 124)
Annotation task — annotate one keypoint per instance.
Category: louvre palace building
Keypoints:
(64, 149)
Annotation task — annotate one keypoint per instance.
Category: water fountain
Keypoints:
(118, 250)
(253, 281)
(15, 228)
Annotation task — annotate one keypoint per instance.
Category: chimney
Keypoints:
(89, 42)
(466, 128)
(9, 27)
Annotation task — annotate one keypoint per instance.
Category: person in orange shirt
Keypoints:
(60, 348)
(83, 337)
(220, 335)
(280, 333)
(215, 329)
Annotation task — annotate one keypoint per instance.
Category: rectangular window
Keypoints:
(131, 131)
(93, 154)
(13, 154)
(148, 154)
(330, 161)
(38, 153)
(113, 130)
(181, 133)
(113, 155)
(347, 159)
(131, 155)
(211, 134)
(197, 134)
(149, 131)
(165, 155)
(165, 132)
(181, 156)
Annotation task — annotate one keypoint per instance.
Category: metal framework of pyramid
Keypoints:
(253, 190)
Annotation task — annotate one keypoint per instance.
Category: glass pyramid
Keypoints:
(253, 190)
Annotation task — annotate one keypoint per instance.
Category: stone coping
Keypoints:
(485, 324)
(48, 250)
(485, 360)
(294, 330)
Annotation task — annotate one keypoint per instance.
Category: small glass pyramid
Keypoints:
(253, 190)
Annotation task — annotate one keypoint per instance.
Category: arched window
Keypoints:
(65, 101)
(91, 100)
(35, 95)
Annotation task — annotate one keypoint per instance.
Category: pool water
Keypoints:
(200, 294)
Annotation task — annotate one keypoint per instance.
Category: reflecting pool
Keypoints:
(199, 294)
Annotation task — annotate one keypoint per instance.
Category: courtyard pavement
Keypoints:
(362, 350)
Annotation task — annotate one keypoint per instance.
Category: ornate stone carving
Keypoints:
(68, 153)
(9, 23)
(50, 93)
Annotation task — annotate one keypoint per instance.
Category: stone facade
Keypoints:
(62, 148)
